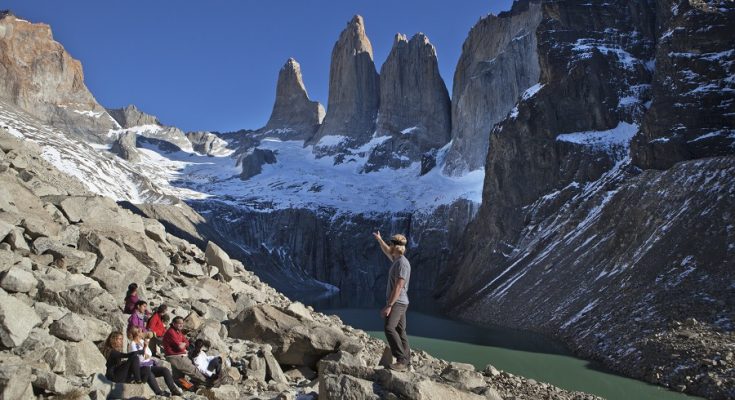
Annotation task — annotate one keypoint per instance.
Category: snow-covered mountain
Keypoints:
(587, 177)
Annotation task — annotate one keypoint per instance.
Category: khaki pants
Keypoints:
(182, 365)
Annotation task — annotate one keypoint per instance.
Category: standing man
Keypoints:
(396, 295)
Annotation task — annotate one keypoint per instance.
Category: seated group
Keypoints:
(145, 334)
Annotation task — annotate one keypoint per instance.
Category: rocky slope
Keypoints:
(294, 116)
(499, 61)
(64, 265)
(603, 254)
(39, 76)
(354, 88)
(414, 105)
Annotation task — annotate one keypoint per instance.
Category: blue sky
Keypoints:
(213, 65)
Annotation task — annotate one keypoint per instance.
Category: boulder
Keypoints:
(16, 241)
(77, 293)
(146, 250)
(69, 327)
(215, 290)
(117, 268)
(41, 347)
(16, 320)
(299, 311)
(192, 322)
(300, 373)
(294, 342)
(257, 368)
(273, 369)
(18, 280)
(346, 387)
(5, 229)
(15, 381)
(463, 376)
(155, 230)
(224, 392)
(214, 255)
(75, 260)
(124, 147)
(36, 227)
(190, 268)
(51, 382)
(96, 212)
(83, 359)
(413, 386)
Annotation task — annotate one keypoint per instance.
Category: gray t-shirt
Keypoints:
(401, 268)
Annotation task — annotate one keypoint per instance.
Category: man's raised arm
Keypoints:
(383, 246)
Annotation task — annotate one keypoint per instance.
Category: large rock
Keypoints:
(96, 212)
(125, 147)
(83, 359)
(74, 260)
(413, 386)
(117, 268)
(415, 110)
(499, 61)
(462, 377)
(69, 327)
(77, 293)
(18, 280)
(294, 342)
(130, 116)
(336, 387)
(217, 257)
(15, 381)
(208, 143)
(294, 116)
(16, 320)
(40, 347)
(252, 162)
(51, 382)
(354, 87)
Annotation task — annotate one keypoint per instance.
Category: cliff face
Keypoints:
(414, 105)
(130, 116)
(594, 250)
(40, 77)
(695, 66)
(499, 61)
(354, 88)
(294, 116)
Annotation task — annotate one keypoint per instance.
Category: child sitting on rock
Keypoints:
(209, 366)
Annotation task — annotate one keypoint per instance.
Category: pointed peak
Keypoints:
(421, 37)
(357, 20)
(292, 64)
(400, 37)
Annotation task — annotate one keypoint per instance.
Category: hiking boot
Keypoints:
(400, 367)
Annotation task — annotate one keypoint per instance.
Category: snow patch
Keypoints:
(618, 136)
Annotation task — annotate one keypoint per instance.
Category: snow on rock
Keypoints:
(618, 136)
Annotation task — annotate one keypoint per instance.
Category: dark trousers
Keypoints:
(122, 372)
(395, 332)
(150, 374)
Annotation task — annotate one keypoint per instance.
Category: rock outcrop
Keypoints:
(125, 146)
(354, 88)
(130, 116)
(39, 76)
(294, 116)
(415, 110)
(499, 62)
(692, 112)
(569, 225)
(208, 143)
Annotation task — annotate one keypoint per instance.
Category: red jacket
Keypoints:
(156, 326)
(171, 341)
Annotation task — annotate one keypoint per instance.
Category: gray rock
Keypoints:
(346, 387)
(16, 320)
(294, 116)
(414, 386)
(96, 212)
(16, 241)
(41, 347)
(415, 110)
(51, 382)
(224, 392)
(499, 56)
(116, 268)
(131, 116)
(252, 162)
(5, 229)
(294, 342)
(354, 87)
(155, 230)
(83, 359)
(70, 327)
(15, 381)
(299, 311)
(217, 257)
(257, 368)
(207, 143)
(273, 369)
(18, 280)
(125, 147)
(462, 377)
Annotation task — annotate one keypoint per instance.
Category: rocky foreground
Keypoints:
(67, 256)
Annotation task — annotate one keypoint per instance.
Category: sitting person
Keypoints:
(156, 326)
(138, 318)
(121, 367)
(131, 298)
(209, 366)
(149, 367)
(175, 346)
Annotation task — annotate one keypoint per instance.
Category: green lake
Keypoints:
(518, 352)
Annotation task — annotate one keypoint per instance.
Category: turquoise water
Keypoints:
(518, 352)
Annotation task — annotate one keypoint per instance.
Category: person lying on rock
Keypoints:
(209, 366)
(394, 312)
(131, 298)
(149, 368)
(157, 327)
(138, 318)
(175, 346)
(121, 367)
